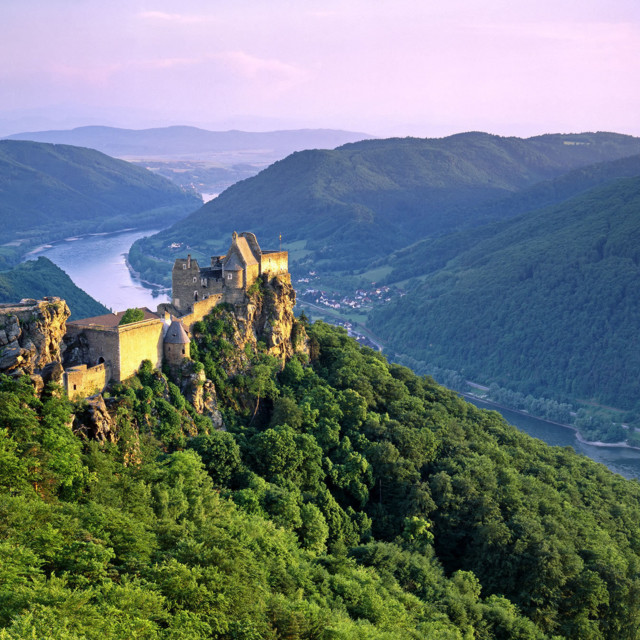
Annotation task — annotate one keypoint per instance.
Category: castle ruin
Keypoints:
(100, 350)
(228, 277)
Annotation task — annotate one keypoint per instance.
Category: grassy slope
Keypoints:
(39, 278)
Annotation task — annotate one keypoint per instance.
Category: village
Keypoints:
(364, 299)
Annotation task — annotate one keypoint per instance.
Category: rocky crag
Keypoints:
(31, 334)
(268, 317)
(32, 342)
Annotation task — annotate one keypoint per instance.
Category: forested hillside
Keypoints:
(348, 498)
(50, 191)
(40, 278)
(360, 202)
(548, 303)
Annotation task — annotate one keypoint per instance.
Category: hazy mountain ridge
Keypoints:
(178, 141)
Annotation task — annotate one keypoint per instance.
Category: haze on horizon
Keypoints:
(386, 68)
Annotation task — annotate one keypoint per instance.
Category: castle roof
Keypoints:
(111, 320)
(176, 334)
(245, 251)
(233, 264)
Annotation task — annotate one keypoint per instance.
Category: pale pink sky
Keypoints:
(387, 67)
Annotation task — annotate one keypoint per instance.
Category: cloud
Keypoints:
(250, 66)
(175, 18)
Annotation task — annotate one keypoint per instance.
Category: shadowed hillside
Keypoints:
(51, 191)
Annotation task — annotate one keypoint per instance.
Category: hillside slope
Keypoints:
(346, 498)
(429, 254)
(361, 201)
(40, 278)
(52, 191)
(547, 303)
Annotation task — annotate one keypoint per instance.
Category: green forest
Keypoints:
(346, 498)
(40, 278)
(548, 304)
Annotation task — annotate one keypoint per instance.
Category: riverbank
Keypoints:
(578, 435)
(136, 276)
(53, 243)
(96, 263)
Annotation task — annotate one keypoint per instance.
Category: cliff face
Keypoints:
(268, 316)
(31, 333)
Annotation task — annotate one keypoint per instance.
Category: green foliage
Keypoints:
(131, 315)
(362, 501)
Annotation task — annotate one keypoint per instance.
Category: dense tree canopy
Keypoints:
(358, 501)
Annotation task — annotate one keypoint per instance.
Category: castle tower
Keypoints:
(176, 344)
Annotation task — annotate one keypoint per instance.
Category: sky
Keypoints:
(423, 68)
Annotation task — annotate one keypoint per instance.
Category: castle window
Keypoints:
(195, 296)
(184, 266)
(195, 278)
(74, 387)
(229, 276)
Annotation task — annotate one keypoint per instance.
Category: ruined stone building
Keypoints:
(227, 277)
(99, 350)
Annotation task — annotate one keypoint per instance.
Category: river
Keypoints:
(626, 462)
(96, 264)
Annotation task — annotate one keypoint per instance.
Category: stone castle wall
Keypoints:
(103, 345)
(139, 341)
(275, 262)
(83, 381)
(202, 309)
(123, 347)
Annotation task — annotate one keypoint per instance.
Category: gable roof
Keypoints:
(245, 251)
(233, 264)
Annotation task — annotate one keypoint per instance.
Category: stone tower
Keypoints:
(176, 344)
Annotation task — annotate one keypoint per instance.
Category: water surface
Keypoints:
(97, 265)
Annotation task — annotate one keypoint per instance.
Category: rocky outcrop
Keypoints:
(31, 334)
(95, 422)
(200, 392)
(268, 316)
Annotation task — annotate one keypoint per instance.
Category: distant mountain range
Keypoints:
(363, 201)
(48, 192)
(518, 258)
(39, 278)
(191, 142)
